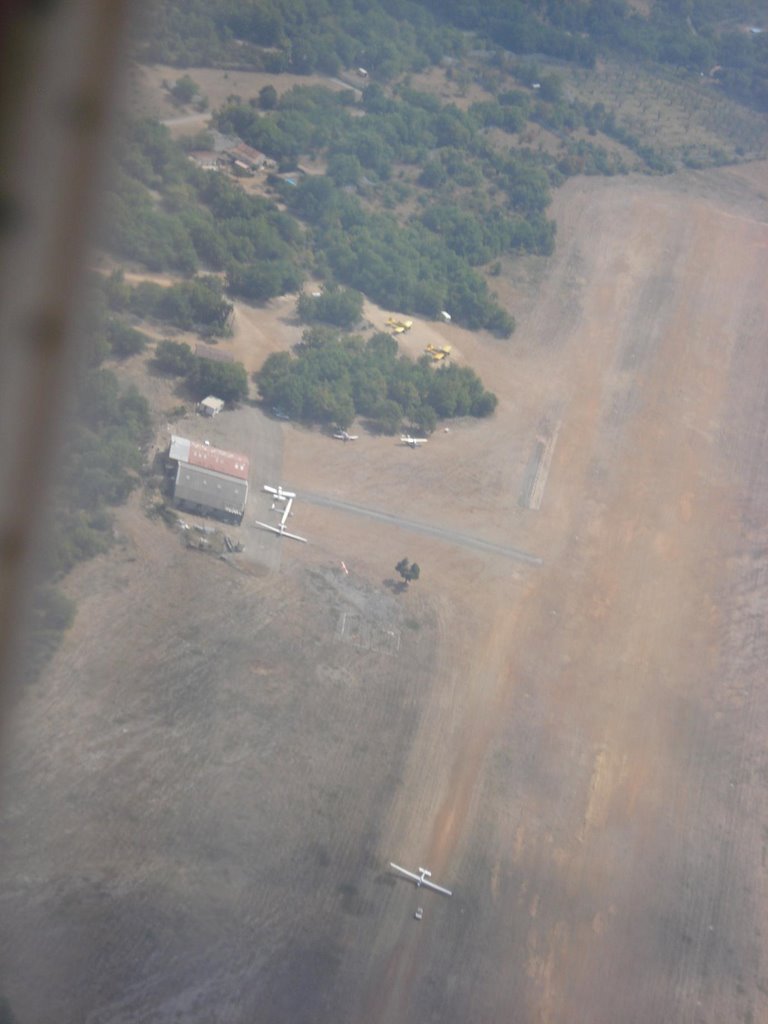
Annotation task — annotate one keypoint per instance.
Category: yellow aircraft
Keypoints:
(438, 354)
(399, 326)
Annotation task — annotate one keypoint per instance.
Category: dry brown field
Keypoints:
(202, 794)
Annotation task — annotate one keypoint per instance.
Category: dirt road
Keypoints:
(205, 791)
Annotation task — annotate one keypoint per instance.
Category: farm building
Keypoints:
(209, 481)
(248, 157)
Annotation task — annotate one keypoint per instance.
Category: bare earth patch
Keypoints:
(203, 793)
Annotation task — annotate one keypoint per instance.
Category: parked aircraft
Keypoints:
(438, 354)
(280, 530)
(342, 435)
(399, 326)
(421, 879)
(412, 442)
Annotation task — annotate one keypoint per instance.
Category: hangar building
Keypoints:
(209, 480)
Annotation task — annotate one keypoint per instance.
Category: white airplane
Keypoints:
(342, 435)
(421, 879)
(413, 442)
(279, 493)
(280, 530)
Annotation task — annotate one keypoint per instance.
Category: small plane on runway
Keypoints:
(342, 435)
(412, 442)
(280, 530)
(421, 879)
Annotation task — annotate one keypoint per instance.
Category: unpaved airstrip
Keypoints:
(202, 794)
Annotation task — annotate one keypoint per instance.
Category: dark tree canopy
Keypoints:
(408, 571)
(332, 380)
(342, 307)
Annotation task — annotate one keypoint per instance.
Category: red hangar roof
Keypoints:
(206, 457)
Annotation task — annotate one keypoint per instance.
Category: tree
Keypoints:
(340, 306)
(408, 572)
(345, 168)
(174, 357)
(184, 90)
(225, 380)
(262, 280)
(126, 341)
(268, 97)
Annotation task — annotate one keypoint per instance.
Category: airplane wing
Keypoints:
(437, 888)
(420, 881)
(408, 874)
(279, 492)
(293, 536)
(268, 526)
(280, 531)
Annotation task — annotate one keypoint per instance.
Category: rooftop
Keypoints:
(207, 457)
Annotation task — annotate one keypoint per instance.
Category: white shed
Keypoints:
(210, 406)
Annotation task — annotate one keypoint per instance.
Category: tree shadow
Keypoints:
(396, 586)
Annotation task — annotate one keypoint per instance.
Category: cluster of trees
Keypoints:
(565, 117)
(404, 267)
(597, 117)
(106, 430)
(479, 233)
(197, 304)
(421, 266)
(169, 215)
(124, 340)
(306, 36)
(302, 36)
(689, 35)
(447, 145)
(342, 307)
(519, 26)
(202, 376)
(332, 379)
(684, 33)
(474, 202)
